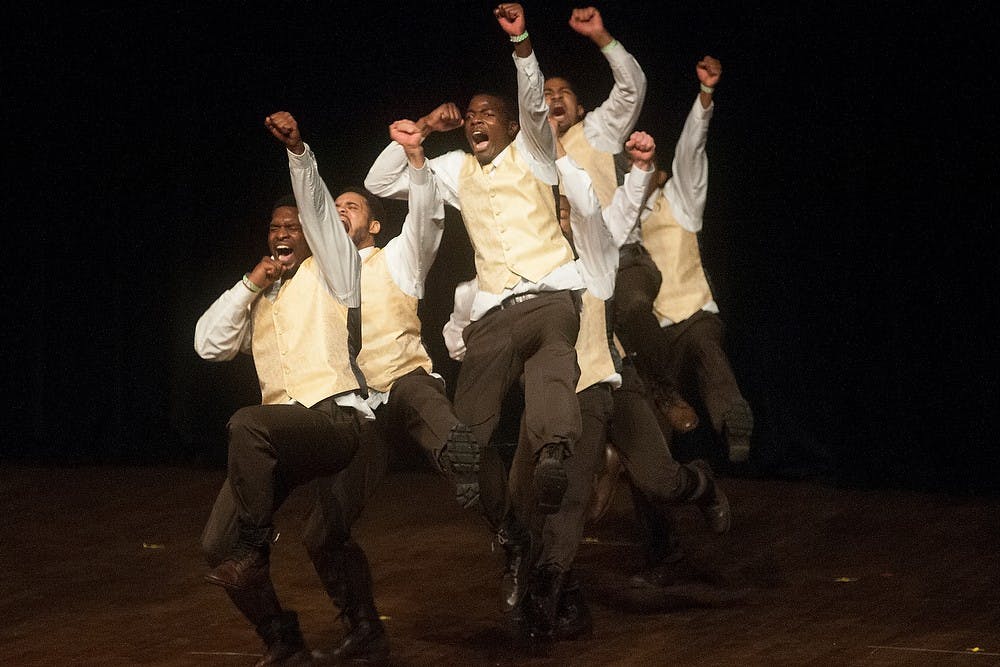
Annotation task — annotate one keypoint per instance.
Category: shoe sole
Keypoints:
(375, 652)
(462, 456)
(550, 485)
(298, 659)
(718, 514)
(721, 508)
(209, 579)
(573, 635)
(736, 430)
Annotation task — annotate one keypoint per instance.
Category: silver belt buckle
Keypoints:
(517, 298)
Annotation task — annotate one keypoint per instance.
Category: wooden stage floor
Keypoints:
(102, 566)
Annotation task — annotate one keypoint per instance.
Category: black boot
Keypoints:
(247, 565)
(459, 461)
(656, 528)
(550, 477)
(737, 427)
(605, 485)
(573, 619)
(546, 589)
(283, 638)
(520, 623)
(516, 543)
(366, 640)
(329, 563)
(709, 498)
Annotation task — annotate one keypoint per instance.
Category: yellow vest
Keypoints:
(512, 224)
(300, 342)
(390, 328)
(593, 349)
(684, 289)
(600, 166)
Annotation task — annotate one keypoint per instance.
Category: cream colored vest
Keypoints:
(593, 349)
(600, 166)
(511, 220)
(300, 342)
(390, 328)
(684, 289)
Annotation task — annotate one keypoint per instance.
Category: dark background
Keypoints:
(847, 230)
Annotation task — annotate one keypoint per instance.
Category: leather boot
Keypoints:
(546, 589)
(573, 619)
(679, 413)
(258, 604)
(708, 497)
(605, 484)
(366, 640)
(328, 563)
(247, 565)
(550, 478)
(516, 543)
(656, 528)
(283, 638)
(459, 461)
(520, 623)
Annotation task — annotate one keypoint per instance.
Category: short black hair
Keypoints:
(284, 200)
(375, 207)
(569, 82)
(504, 102)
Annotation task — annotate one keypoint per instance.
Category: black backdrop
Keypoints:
(140, 174)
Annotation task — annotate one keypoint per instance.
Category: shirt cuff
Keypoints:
(419, 176)
(298, 160)
(703, 113)
(241, 296)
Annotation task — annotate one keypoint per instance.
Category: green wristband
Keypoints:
(251, 285)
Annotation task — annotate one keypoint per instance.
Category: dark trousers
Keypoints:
(642, 447)
(274, 449)
(560, 533)
(418, 412)
(535, 338)
(636, 286)
(697, 359)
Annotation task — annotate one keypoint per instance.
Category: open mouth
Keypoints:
(282, 253)
(557, 110)
(479, 140)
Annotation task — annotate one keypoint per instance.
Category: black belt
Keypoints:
(517, 298)
(512, 300)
